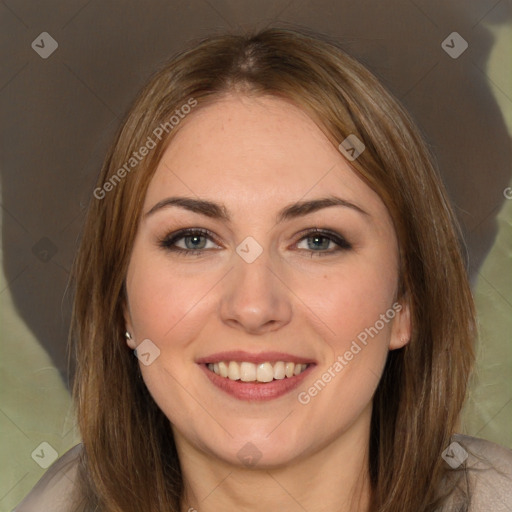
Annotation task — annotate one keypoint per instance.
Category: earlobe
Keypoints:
(129, 340)
(401, 330)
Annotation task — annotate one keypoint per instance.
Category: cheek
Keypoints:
(160, 299)
(167, 308)
(351, 302)
(358, 338)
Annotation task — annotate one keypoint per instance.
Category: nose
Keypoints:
(255, 298)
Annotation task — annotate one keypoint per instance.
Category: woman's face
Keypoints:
(260, 251)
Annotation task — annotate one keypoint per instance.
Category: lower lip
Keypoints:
(256, 391)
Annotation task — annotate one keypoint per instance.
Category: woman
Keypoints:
(271, 308)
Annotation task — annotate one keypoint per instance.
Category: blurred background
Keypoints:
(69, 73)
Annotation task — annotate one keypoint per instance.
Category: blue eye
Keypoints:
(323, 242)
(319, 242)
(194, 241)
(188, 241)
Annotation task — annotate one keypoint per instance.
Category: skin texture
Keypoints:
(257, 155)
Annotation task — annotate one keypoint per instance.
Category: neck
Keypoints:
(333, 478)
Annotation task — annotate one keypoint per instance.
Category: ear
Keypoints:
(128, 327)
(401, 329)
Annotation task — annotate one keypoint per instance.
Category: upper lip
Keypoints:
(260, 357)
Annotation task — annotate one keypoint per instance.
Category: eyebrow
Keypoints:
(306, 207)
(220, 212)
(201, 206)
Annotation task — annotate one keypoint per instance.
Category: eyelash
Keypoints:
(168, 242)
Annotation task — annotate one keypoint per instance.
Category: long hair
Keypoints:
(129, 460)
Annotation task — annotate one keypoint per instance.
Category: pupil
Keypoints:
(194, 242)
(319, 242)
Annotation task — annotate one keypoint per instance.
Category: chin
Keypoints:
(255, 455)
(258, 448)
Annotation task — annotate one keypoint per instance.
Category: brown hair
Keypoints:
(130, 461)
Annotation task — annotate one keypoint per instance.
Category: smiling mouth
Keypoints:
(250, 372)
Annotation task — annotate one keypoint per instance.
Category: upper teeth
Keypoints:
(250, 372)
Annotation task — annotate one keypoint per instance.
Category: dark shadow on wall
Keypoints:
(60, 113)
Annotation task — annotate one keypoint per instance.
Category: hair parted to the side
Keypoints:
(130, 461)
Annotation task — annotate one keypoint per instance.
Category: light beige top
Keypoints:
(491, 486)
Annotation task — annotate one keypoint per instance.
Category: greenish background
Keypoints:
(488, 411)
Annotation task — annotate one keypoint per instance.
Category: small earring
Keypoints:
(128, 336)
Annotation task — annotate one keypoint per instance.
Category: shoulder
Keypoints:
(489, 470)
(54, 491)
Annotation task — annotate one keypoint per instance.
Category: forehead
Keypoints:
(255, 151)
